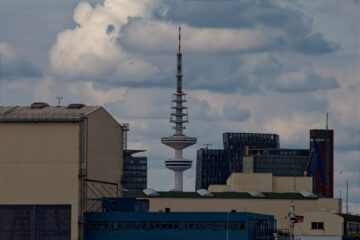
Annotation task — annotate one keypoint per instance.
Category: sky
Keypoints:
(249, 66)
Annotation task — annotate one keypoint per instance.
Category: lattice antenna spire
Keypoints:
(179, 39)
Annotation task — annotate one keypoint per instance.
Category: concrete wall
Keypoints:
(264, 182)
(105, 148)
(219, 188)
(242, 182)
(277, 207)
(333, 225)
(39, 165)
(292, 184)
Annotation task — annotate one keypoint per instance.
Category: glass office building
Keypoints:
(211, 168)
(135, 171)
(248, 152)
(235, 145)
(280, 162)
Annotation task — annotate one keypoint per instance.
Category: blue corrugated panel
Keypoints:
(178, 226)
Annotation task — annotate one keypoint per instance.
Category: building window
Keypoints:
(317, 225)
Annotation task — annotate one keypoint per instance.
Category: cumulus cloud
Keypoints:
(90, 49)
(14, 67)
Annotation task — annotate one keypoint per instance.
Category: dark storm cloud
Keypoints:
(315, 44)
(250, 14)
(18, 68)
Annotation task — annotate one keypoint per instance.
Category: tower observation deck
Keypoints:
(178, 141)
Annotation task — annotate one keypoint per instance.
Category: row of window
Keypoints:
(136, 161)
(135, 179)
(129, 226)
(317, 225)
(135, 167)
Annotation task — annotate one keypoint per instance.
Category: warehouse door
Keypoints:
(35, 222)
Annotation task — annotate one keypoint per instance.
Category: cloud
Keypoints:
(90, 50)
(14, 67)
(112, 42)
(236, 113)
(145, 35)
(296, 26)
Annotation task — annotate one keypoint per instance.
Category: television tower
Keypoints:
(178, 141)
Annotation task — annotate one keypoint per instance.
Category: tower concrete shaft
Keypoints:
(178, 141)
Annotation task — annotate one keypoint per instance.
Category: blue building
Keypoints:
(178, 226)
(140, 225)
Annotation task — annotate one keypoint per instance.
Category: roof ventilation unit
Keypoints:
(204, 193)
(255, 193)
(76, 105)
(39, 105)
(150, 192)
(307, 194)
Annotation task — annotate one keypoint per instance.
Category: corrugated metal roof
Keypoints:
(46, 114)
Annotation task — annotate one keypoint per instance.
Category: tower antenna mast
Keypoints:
(178, 141)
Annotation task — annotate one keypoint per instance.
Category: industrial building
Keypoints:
(264, 182)
(139, 225)
(325, 225)
(134, 171)
(260, 193)
(56, 162)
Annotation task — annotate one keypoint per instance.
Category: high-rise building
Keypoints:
(235, 145)
(251, 153)
(322, 161)
(178, 141)
(211, 168)
(134, 171)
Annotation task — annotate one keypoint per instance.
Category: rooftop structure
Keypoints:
(178, 141)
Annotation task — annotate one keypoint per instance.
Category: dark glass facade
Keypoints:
(134, 171)
(214, 166)
(235, 145)
(211, 168)
(40, 222)
(282, 162)
(323, 182)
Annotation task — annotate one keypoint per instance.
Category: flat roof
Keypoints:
(224, 195)
(45, 114)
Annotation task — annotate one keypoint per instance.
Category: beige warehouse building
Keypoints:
(247, 192)
(56, 161)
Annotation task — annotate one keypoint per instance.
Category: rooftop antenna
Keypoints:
(327, 121)
(179, 39)
(59, 100)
